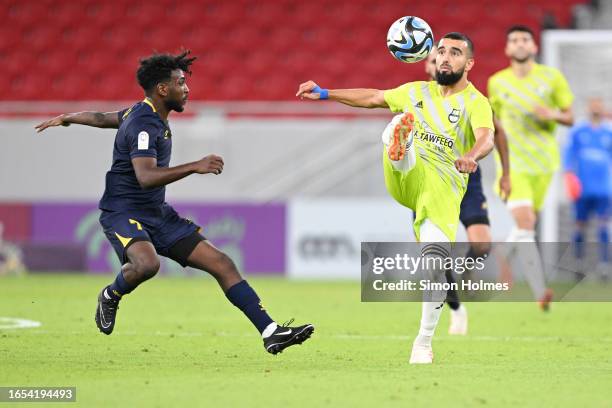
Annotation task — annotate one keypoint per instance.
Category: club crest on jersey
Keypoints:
(454, 116)
(167, 134)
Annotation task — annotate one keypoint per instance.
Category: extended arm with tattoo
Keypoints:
(95, 119)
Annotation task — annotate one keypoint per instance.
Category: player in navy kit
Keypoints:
(135, 217)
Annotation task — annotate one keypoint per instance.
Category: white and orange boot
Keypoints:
(400, 137)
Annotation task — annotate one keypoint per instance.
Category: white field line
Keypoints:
(9, 323)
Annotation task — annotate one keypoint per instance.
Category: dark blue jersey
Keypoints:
(589, 155)
(142, 133)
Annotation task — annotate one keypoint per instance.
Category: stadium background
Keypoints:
(302, 187)
(298, 175)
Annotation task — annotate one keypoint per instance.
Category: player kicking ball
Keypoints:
(429, 150)
(135, 217)
(473, 215)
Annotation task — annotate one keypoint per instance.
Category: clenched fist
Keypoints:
(209, 164)
(305, 91)
(466, 164)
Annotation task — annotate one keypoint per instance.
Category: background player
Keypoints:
(453, 128)
(528, 100)
(587, 165)
(135, 217)
(473, 215)
(11, 256)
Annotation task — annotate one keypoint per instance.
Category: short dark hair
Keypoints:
(454, 35)
(158, 68)
(521, 29)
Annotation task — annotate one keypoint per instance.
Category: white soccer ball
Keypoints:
(410, 39)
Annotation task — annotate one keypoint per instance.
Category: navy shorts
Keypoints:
(474, 203)
(585, 206)
(161, 226)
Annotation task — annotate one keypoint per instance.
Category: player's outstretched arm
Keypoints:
(360, 97)
(95, 119)
(483, 146)
(151, 176)
(501, 144)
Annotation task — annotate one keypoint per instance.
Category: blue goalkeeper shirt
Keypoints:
(589, 155)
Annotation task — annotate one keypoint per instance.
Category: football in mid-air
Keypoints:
(410, 39)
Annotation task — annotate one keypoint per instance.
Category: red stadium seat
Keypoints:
(25, 14)
(19, 62)
(222, 13)
(65, 13)
(307, 14)
(186, 16)
(266, 15)
(30, 86)
(284, 39)
(10, 38)
(40, 38)
(81, 37)
(104, 13)
(259, 63)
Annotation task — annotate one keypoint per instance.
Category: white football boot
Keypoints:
(458, 321)
(421, 354)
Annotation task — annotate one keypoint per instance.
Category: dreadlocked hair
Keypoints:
(158, 68)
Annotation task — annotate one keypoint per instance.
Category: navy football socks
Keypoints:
(244, 298)
(119, 287)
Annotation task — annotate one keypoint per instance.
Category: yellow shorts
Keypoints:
(429, 195)
(527, 189)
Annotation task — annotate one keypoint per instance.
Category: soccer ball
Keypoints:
(410, 39)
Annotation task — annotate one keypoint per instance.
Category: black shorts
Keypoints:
(474, 203)
(161, 226)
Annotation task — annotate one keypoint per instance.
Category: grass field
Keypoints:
(178, 342)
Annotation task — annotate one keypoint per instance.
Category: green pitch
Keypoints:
(178, 342)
